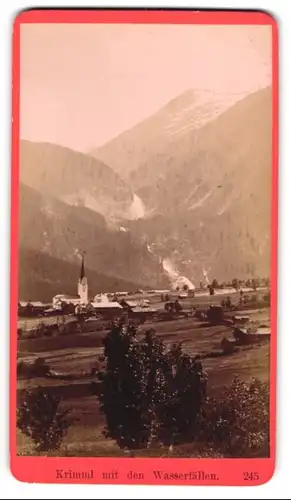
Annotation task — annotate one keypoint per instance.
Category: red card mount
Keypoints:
(178, 452)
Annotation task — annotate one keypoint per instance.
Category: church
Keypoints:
(81, 298)
(83, 285)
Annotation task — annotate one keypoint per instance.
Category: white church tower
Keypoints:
(83, 284)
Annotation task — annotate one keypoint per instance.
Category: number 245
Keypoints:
(251, 476)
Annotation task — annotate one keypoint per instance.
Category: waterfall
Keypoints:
(137, 209)
(175, 277)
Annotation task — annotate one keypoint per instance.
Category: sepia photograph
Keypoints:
(144, 240)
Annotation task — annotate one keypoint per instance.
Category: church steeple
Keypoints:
(82, 273)
(82, 284)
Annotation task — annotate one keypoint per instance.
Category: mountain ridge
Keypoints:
(129, 143)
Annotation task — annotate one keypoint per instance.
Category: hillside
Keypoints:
(75, 178)
(134, 148)
(209, 194)
(61, 231)
(42, 276)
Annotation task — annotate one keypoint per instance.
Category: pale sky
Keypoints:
(81, 85)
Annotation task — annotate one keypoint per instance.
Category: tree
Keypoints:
(185, 287)
(215, 284)
(39, 418)
(186, 391)
(228, 302)
(235, 283)
(131, 386)
(147, 393)
(237, 424)
(169, 306)
(255, 284)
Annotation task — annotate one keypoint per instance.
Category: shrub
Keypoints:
(237, 424)
(22, 369)
(227, 346)
(39, 368)
(39, 418)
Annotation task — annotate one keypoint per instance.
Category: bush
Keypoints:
(237, 424)
(22, 369)
(39, 368)
(39, 418)
(227, 346)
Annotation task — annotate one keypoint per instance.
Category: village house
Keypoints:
(108, 310)
(30, 308)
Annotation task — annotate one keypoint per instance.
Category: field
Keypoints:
(73, 356)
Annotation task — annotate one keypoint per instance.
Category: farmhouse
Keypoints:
(30, 308)
(142, 313)
(60, 299)
(128, 305)
(107, 310)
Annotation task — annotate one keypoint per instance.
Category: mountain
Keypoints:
(199, 197)
(75, 178)
(208, 194)
(50, 227)
(41, 277)
(232, 152)
(134, 148)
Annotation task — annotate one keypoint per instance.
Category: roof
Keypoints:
(130, 303)
(23, 303)
(66, 296)
(105, 305)
(144, 309)
(37, 304)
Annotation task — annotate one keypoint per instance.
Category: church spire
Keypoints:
(82, 273)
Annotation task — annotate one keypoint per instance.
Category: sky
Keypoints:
(81, 85)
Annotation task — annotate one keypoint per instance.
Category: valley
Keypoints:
(199, 199)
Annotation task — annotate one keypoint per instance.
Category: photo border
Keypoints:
(230, 472)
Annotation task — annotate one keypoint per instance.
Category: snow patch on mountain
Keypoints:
(207, 106)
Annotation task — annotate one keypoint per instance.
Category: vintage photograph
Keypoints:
(144, 240)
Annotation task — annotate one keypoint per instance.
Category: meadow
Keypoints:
(73, 356)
